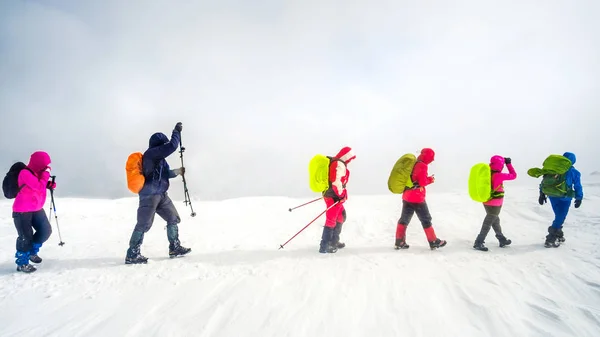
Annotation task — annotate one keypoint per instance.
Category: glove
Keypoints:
(577, 203)
(179, 127)
(179, 171)
(431, 179)
(542, 199)
(50, 185)
(507, 160)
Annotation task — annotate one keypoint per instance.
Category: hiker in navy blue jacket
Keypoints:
(154, 198)
(561, 205)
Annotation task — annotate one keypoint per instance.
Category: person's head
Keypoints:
(39, 161)
(346, 155)
(427, 155)
(570, 156)
(158, 139)
(497, 163)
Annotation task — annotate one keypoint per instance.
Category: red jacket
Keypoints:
(420, 178)
(339, 174)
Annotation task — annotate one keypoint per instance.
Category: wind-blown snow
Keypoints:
(236, 282)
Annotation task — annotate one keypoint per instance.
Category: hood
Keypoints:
(570, 156)
(346, 155)
(158, 139)
(38, 161)
(427, 155)
(497, 163)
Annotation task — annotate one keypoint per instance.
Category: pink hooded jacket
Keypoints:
(32, 196)
(498, 178)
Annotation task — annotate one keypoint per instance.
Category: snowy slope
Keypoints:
(237, 283)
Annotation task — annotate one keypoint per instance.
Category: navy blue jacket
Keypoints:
(154, 166)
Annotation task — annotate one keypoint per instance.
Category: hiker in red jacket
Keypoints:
(413, 201)
(336, 215)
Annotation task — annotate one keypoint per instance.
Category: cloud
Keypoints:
(262, 87)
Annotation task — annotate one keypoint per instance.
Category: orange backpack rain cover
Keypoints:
(135, 177)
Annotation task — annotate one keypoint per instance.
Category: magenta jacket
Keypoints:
(32, 196)
(498, 178)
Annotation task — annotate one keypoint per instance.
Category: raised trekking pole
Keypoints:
(310, 202)
(53, 206)
(187, 200)
(315, 219)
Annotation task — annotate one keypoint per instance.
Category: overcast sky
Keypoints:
(262, 86)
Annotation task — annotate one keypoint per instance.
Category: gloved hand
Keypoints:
(507, 160)
(431, 179)
(179, 127)
(179, 171)
(577, 203)
(542, 199)
(50, 185)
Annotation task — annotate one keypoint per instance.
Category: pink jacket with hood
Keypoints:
(32, 196)
(498, 178)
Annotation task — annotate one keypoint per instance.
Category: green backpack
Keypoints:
(553, 172)
(400, 176)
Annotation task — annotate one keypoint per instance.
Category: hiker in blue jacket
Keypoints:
(154, 198)
(561, 205)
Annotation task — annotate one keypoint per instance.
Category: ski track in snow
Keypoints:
(236, 282)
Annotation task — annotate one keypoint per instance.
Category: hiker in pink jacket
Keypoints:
(494, 205)
(28, 210)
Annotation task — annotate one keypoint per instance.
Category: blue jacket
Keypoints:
(573, 179)
(154, 166)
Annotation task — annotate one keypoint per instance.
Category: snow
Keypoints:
(236, 282)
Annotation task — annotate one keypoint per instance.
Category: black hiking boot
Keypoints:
(26, 268)
(178, 250)
(437, 244)
(401, 244)
(560, 236)
(136, 259)
(480, 246)
(35, 258)
(551, 238)
(503, 241)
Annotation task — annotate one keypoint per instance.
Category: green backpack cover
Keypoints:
(400, 176)
(553, 172)
(480, 182)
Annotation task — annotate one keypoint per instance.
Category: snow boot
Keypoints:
(503, 241)
(479, 244)
(560, 236)
(401, 244)
(26, 268)
(326, 245)
(176, 249)
(437, 243)
(33, 254)
(335, 237)
(551, 238)
(133, 253)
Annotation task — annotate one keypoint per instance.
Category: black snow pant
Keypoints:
(29, 242)
(491, 220)
(150, 205)
(409, 209)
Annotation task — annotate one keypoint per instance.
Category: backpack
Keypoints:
(135, 175)
(480, 184)
(554, 173)
(318, 172)
(10, 184)
(400, 177)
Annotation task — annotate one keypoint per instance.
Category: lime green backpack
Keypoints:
(553, 172)
(400, 177)
(318, 172)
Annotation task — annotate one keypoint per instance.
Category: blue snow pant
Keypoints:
(561, 209)
(28, 242)
(150, 205)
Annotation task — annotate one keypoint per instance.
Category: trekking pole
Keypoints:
(53, 206)
(310, 202)
(187, 199)
(315, 219)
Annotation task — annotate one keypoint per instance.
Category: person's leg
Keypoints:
(145, 219)
(167, 211)
(43, 230)
(24, 241)
(408, 211)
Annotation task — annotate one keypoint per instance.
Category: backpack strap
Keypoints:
(495, 194)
